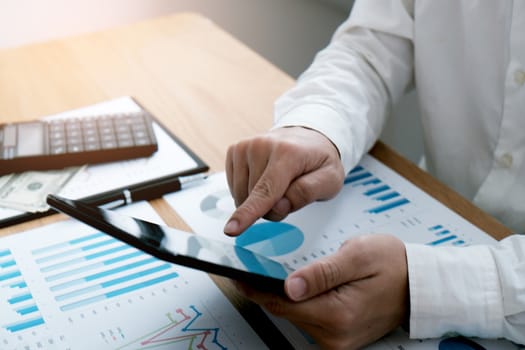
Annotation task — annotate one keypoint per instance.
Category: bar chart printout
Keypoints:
(17, 306)
(67, 286)
(374, 199)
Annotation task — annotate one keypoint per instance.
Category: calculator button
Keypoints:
(142, 141)
(125, 143)
(89, 124)
(122, 128)
(91, 139)
(109, 144)
(108, 138)
(105, 124)
(90, 132)
(140, 135)
(57, 134)
(92, 146)
(57, 142)
(75, 133)
(125, 136)
(106, 130)
(72, 127)
(58, 150)
(74, 140)
(56, 127)
(75, 148)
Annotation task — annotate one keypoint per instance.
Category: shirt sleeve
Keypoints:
(347, 92)
(474, 291)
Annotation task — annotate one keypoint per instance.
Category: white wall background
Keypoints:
(287, 32)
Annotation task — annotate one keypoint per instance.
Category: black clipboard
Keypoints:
(159, 172)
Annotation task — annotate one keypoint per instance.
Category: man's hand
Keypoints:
(279, 172)
(349, 299)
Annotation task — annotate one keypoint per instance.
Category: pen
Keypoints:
(155, 190)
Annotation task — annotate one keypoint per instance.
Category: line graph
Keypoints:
(179, 332)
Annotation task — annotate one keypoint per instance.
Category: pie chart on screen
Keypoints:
(271, 238)
(459, 343)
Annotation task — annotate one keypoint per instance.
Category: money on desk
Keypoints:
(27, 191)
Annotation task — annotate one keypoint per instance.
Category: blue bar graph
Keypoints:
(20, 298)
(7, 263)
(9, 275)
(371, 182)
(73, 242)
(380, 196)
(16, 297)
(389, 206)
(27, 309)
(88, 257)
(4, 252)
(113, 282)
(75, 251)
(95, 268)
(102, 274)
(23, 325)
(18, 284)
(445, 236)
(356, 169)
(387, 196)
(356, 177)
(118, 292)
(377, 190)
(91, 267)
(443, 240)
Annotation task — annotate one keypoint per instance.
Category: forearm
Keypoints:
(347, 92)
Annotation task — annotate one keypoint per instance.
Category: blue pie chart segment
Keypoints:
(459, 343)
(271, 238)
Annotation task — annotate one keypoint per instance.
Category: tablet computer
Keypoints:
(180, 247)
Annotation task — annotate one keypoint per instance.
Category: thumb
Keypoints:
(346, 265)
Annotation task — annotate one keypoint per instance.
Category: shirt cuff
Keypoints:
(329, 123)
(453, 289)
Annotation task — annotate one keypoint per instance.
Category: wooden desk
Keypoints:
(206, 86)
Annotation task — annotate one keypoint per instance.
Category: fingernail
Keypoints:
(231, 227)
(296, 288)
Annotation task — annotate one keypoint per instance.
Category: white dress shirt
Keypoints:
(467, 60)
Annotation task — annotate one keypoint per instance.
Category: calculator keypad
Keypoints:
(59, 143)
(96, 133)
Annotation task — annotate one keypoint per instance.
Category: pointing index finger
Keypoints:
(268, 190)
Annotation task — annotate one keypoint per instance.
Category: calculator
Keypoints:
(59, 143)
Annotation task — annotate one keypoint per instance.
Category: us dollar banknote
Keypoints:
(27, 191)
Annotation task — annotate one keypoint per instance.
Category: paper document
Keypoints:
(374, 199)
(67, 286)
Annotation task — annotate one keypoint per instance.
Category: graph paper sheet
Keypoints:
(374, 199)
(67, 286)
